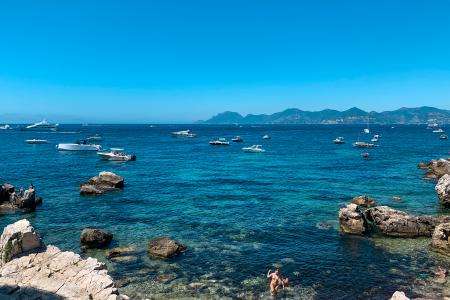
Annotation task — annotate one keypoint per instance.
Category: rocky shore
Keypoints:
(23, 199)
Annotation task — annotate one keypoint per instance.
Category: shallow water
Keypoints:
(239, 213)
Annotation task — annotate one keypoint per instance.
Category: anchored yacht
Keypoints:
(183, 133)
(116, 154)
(79, 146)
(42, 126)
(254, 149)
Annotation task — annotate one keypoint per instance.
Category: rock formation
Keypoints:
(443, 190)
(364, 201)
(436, 168)
(440, 239)
(399, 296)
(95, 238)
(104, 182)
(352, 220)
(164, 247)
(49, 271)
(26, 200)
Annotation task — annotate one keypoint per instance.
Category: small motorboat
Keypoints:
(42, 126)
(266, 137)
(96, 137)
(36, 141)
(117, 154)
(375, 138)
(254, 149)
(5, 127)
(439, 130)
(339, 140)
(443, 137)
(183, 133)
(237, 139)
(363, 145)
(219, 142)
(79, 146)
(365, 155)
(366, 130)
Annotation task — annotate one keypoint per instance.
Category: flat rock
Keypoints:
(352, 220)
(443, 190)
(95, 238)
(164, 247)
(104, 182)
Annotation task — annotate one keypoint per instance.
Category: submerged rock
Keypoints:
(352, 220)
(443, 190)
(95, 238)
(397, 223)
(364, 201)
(164, 247)
(123, 254)
(440, 239)
(11, 199)
(399, 296)
(17, 239)
(104, 182)
(49, 273)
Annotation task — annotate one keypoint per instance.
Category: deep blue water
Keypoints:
(238, 213)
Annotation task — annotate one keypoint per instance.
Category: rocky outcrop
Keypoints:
(164, 247)
(443, 190)
(436, 168)
(352, 220)
(104, 182)
(95, 238)
(440, 239)
(399, 296)
(51, 273)
(397, 223)
(17, 239)
(11, 199)
(364, 201)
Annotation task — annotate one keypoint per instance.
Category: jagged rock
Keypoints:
(18, 238)
(104, 182)
(95, 238)
(443, 190)
(364, 201)
(399, 296)
(397, 223)
(440, 239)
(164, 247)
(12, 199)
(436, 168)
(352, 220)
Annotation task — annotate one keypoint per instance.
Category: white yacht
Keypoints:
(366, 130)
(339, 140)
(78, 146)
(183, 133)
(36, 141)
(43, 125)
(375, 138)
(254, 149)
(443, 137)
(266, 137)
(116, 154)
(237, 139)
(363, 145)
(219, 142)
(5, 127)
(439, 130)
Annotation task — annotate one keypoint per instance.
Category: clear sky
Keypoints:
(179, 61)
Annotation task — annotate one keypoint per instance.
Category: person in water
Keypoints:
(276, 281)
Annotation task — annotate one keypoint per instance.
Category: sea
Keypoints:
(240, 214)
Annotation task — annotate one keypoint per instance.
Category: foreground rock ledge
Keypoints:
(58, 273)
(104, 182)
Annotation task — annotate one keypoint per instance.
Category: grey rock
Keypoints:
(352, 220)
(104, 182)
(95, 238)
(164, 247)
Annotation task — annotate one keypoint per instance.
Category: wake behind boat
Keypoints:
(339, 140)
(254, 149)
(42, 126)
(36, 141)
(5, 127)
(183, 133)
(117, 154)
(78, 146)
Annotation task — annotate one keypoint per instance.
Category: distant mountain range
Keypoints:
(419, 115)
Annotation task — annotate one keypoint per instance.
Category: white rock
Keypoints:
(443, 189)
(399, 296)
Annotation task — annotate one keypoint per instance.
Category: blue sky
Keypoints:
(179, 61)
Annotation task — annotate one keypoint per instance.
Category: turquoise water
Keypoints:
(238, 213)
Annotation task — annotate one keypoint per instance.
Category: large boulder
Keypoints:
(443, 190)
(17, 239)
(95, 238)
(364, 201)
(164, 247)
(440, 239)
(399, 296)
(104, 182)
(352, 220)
(436, 168)
(397, 223)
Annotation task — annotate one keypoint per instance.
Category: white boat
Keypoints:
(183, 133)
(339, 140)
(116, 154)
(96, 137)
(219, 142)
(254, 149)
(5, 127)
(366, 130)
(439, 130)
(375, 138)
(363, 145)
(36, 141)
(237, 139)
(78, 146)
(443, 137)
(43, 125)
(266, 137)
